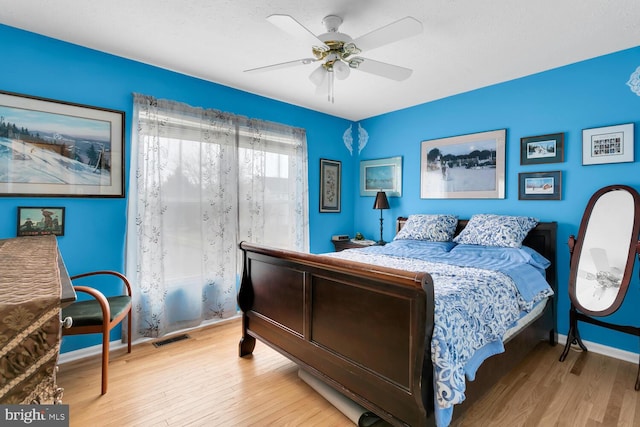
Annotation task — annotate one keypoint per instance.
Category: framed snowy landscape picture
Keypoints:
(464, 167)
(52, 148)
(540, 185)
(542, 149)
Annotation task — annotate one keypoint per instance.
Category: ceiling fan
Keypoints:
(337, 52)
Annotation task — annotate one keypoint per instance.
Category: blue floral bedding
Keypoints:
(477, 298)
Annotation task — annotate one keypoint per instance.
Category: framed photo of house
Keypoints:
(330, 181)
(59, 149)
(464, 167)
(381, 175)
(610, 144)
(542, 149)
(540, 185)
(40, 221)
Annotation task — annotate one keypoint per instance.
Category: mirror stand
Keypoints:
(573, 336)
(601, 262)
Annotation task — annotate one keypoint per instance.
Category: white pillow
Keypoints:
(496, 230)
(434, 228)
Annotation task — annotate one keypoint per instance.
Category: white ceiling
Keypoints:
(465, 45)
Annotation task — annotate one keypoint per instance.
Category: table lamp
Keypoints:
(381, 203)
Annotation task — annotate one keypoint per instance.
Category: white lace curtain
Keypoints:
(201, 181)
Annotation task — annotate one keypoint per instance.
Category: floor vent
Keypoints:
(171, 340)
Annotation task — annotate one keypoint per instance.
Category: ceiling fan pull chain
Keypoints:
(331, 98)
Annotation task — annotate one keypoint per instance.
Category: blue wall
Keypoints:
(584, 95)
(95, 228)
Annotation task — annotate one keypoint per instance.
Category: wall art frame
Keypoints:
(540, 185)
(40, 221)
(542, 149)
(468, 166)
(330, 185)
(609, 144)
(60, 149)
(381, 175)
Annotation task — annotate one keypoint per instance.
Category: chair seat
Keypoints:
(89, 313)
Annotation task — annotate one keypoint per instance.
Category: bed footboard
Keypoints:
(361, 329)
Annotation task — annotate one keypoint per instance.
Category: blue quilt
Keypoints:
(477, 298)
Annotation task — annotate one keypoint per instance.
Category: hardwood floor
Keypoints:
(202, 382)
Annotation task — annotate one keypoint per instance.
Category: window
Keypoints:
(205, 180)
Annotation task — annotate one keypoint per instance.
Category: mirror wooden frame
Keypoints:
(577, 245)
(577, 311)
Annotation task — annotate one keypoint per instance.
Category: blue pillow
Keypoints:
(434, 228)
(496, 230)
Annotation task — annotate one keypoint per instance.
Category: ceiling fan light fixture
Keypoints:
(350, 49)
(355, 62)
(318, 75)
(341, 70)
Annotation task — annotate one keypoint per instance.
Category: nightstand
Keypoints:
(341, 245)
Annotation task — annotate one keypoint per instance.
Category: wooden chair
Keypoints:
(99, 315)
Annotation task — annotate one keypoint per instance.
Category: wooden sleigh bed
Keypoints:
(366, 330)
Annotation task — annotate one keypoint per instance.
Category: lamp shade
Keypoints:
(381, 201)
(341, 69)
(318, 76)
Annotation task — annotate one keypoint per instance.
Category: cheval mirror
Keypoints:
(602, 259)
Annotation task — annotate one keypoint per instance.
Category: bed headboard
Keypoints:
(542, 238)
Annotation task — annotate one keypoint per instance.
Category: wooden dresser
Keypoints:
(34, 286)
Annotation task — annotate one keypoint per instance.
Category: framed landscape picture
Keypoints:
(542, 149)
(58, 149)
(40, 221)
(381, 175)
(540, 185)
(464, 167)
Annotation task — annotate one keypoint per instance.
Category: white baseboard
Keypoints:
(616, 353)
(82, 353)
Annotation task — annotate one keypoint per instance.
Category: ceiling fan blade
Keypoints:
(398, 30)
(383, 69)
(287, 64)
(289, 25)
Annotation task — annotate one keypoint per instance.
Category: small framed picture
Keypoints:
(330, 176)
(381, 175)
(610, 144)
(40, 221)
(540, 185)
(542, 149)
